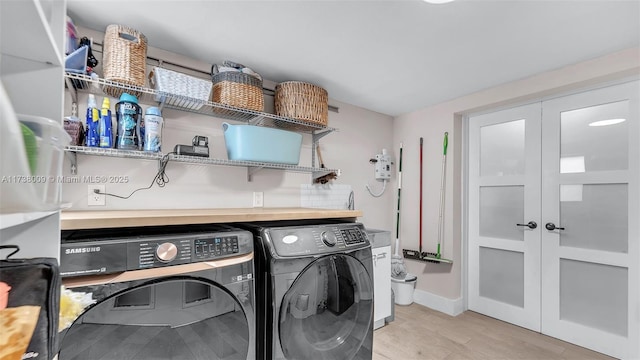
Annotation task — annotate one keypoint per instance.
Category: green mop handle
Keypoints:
(445, 143)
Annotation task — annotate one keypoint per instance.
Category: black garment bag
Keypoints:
(35, 282)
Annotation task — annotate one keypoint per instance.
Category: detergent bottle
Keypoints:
(93, 118)
(128, 117)
(153, 129)
(106, 139)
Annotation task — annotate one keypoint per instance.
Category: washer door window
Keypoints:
(327, 312)
(173, 319)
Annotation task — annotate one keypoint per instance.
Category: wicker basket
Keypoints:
(238, 90)
(302, 101)
(124, 58)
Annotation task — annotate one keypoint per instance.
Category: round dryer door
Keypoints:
(328, 310)
(172, 318)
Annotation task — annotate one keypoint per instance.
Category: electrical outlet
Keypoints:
(258, 199)
(94, 199)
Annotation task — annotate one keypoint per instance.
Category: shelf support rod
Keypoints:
(251, 170)
(73, 159)
(317, 135)
(72, 90)
(74, 109)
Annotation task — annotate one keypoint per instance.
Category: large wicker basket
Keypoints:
(238, 90)
(124, 58)
(302, 101)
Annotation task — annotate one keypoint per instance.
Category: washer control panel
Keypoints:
(352, 236)
(317, 239)
(329, 238)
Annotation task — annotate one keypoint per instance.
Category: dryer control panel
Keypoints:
(317, 239)
(110, 251)
(211, 247)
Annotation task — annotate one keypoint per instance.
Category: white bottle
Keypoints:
(153, 124)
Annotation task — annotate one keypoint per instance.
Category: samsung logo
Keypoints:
(82, 250)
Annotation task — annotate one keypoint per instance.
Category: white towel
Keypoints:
(227, 69)
(248, 71)
(229, 66)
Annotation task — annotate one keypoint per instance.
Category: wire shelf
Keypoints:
(134, 154)
(85, 83)
(131, 154)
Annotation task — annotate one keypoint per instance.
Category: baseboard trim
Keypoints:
(448, 306)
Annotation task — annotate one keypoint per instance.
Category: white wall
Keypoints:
(361, 134)
(431, 123)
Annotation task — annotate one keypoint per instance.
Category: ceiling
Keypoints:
(391, 57)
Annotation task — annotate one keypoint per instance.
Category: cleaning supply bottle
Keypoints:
(93, 118)
(128, 118)
(153, 129)
(106, 140)
(141, 132)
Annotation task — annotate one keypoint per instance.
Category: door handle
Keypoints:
(531, 225)
(552, 226)
(382, 256)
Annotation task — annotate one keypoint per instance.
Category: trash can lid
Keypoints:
(407, 278)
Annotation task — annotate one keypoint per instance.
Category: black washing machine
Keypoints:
(170, 292)
(314, 290)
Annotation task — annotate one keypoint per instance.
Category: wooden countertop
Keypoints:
(74, 220)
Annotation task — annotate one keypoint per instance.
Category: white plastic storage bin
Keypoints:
(28, 188)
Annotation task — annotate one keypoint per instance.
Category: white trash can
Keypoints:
(403, 289)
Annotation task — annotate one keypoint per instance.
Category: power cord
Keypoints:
(384, 185)
(351, 204)
(161, 179)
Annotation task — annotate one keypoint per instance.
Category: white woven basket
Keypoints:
(181, 90)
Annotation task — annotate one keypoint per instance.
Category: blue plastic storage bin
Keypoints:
(262, 144)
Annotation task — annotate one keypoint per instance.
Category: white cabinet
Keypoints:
(381, 254)
(382, 284)
(31, 70)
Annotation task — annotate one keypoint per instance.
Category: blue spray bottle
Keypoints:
(93, 117)
(106, 140)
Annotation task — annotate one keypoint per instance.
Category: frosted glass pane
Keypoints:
(502, 149)
(501, 208)
(594, 295)
(595, 217)
(585, 147)
(502, 275)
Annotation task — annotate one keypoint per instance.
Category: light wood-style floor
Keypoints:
(421, 333)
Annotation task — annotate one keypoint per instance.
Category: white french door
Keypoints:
(590, 195)
(580, 264)
(504, 197)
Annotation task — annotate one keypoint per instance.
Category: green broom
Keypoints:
(437, 256)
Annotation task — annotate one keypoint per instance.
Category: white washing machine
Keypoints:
(315, 290)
